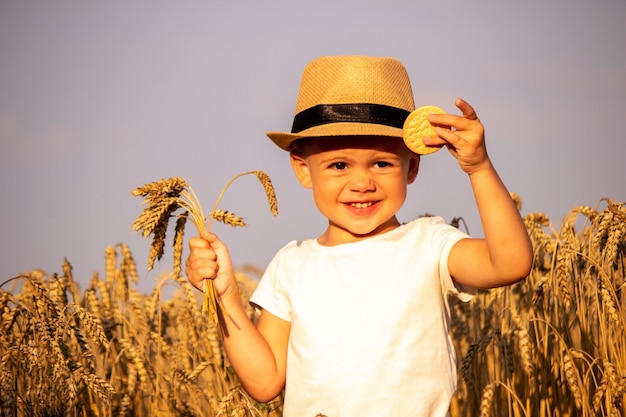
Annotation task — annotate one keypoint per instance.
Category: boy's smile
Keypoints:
(358, 183)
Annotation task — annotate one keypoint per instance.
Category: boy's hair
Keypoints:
(349, 96)
(301, 146)
(297, 147)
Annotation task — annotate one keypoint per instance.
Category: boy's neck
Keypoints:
(337, 235)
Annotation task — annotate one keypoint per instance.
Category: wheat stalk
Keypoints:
(267, 186)
(163, 198)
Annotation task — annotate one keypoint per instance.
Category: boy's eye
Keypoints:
(339, 165)
(382, 164)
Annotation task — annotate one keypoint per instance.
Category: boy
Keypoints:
(355, 322)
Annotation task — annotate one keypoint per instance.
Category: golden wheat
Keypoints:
(179, 234)
(163, 198)
(572, 378)
(63, 352)
(105, 356)
(102, 389)
(228, 218)
(565, 258)
(93, 326)
(598, 396)
(486, 400)
(472, 352)
(128, 268)
(525, 346)
(568, 318)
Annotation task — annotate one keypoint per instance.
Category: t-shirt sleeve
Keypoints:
(447, 236)
(270, 293)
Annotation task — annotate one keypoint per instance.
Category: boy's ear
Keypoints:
(414, 167)
(301, 169)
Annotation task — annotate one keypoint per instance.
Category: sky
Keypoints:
(98, 98)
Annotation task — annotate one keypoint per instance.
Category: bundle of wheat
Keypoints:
(163, 198)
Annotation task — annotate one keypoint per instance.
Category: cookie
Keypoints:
(416, 127)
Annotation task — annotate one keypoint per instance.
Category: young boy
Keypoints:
(356, 321)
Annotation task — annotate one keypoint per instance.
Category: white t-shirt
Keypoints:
(369, 322)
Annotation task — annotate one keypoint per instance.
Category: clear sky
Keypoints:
(97, 98)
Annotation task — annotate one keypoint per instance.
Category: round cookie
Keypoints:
(416, 127)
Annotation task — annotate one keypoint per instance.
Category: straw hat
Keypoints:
(350, 95)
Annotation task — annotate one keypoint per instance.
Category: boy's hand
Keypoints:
(465, 138)
(209, 259)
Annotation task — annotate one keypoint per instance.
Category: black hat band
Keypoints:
(354, 113)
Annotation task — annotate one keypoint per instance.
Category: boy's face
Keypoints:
(358, 183)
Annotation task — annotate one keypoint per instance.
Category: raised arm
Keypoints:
(505, 255)
(257, 354)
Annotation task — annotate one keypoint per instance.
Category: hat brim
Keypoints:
(284, 139)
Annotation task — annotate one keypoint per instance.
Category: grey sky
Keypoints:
(97, 98)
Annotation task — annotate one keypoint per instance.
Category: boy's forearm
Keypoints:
(249, 352)
(508, 244)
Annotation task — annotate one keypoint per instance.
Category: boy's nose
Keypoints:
(362, 182)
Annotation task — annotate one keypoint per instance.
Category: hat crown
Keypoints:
(350, 96)
(355, 79)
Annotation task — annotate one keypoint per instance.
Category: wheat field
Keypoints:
(551, 345)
